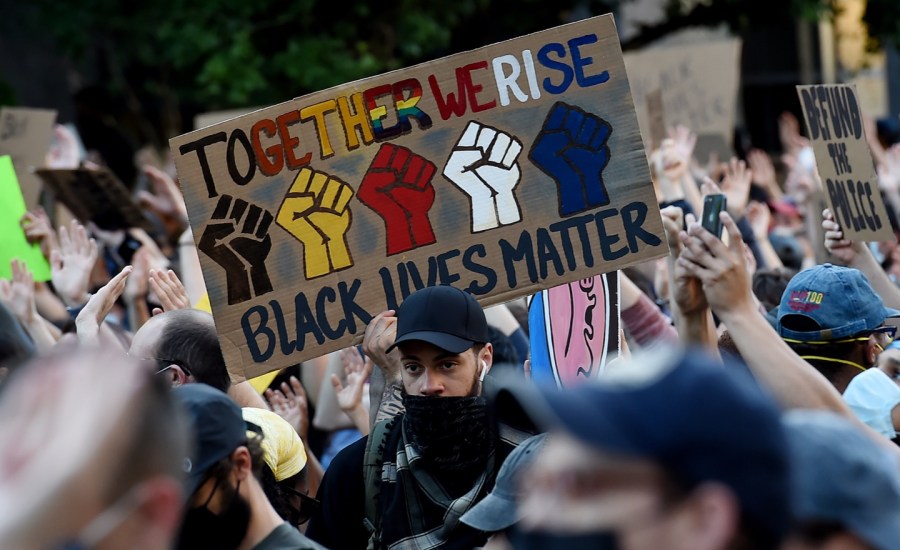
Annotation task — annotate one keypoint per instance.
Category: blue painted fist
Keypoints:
(571, 148)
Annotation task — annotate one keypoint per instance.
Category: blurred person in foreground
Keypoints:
(227, 507)
(845, 488)
(670, 451)
(91, 455)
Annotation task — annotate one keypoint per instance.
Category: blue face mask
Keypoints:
(533, 540)
(108, 521)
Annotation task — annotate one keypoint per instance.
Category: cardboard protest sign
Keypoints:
(25, 135)
(574, 330)
(699, 85)
(13, 244)
(835, 124)
(501, 171)
(94, 195)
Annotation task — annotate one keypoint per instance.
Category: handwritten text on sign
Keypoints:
(835, 125)
(501, 171)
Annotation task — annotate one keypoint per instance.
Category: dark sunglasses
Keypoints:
(308, 507)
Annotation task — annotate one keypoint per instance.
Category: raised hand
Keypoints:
(166, 199)
(71, 265)
(842, 249)
(315, 212)
(571, 148)
(237, 238)
(483, 165)
(380, 335)
(721, 268)
(736, 187)
(38, 229)
(18, 294)
(290, 403)
(357, 370)
(398, 188)
(98, 307)
(169, 290)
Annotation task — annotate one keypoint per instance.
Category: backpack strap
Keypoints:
(372, 466)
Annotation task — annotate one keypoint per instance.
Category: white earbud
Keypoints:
(484, 369)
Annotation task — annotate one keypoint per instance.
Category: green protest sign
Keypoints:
(12, 239)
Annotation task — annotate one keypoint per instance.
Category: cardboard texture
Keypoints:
(25, 135)
(501, 171)
(699, 84)
(12, 239)
(94, 195)
(574, 330)
(835, 126)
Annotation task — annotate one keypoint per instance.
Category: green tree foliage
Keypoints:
(216, 54)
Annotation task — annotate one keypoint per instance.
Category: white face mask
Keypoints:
(106, 522)
(872, 396)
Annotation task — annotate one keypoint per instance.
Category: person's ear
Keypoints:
(711, 516)
(243, 464)
(177, 376)
(161, 509)
(485, 359)
(873, 349)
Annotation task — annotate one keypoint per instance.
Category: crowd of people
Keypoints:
(755, 402)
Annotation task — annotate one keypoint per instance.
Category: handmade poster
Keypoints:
(699, 85)
(574, 330)
(25, 135)
(835, 125)
(13, 244)
(656, 120)
(94, 195)
(501, 171)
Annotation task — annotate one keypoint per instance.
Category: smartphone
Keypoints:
(712, 206)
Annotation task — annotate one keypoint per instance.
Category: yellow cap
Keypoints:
(283, 449)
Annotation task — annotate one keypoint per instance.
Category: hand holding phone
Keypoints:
(712, 206)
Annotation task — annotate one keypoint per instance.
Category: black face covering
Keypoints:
(452, 433)
(601, 540)
(204, 530)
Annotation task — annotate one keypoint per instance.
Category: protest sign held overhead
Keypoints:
(94, 196)
(698, 82)
(25, 135)
(501, 171)
(835, 125)
(574, 330)
(13, 244)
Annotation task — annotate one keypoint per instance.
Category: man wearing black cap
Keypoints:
(408, 483)
(227, 507)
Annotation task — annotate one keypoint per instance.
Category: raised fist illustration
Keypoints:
(237, 238)
(398, 188)
(571, 148)
(483, 165)
(315, 212)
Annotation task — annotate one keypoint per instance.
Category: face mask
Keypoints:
(600, 540)
(104, 524)
(204, 529)
(450, 432)
(872, 396)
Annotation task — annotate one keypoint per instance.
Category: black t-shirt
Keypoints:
(339, 521)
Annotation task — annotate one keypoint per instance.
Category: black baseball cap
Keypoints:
(443, 316)
(218, 429)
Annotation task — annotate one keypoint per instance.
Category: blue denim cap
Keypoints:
(839, 299)
(499, 510)
(695, 419)
(840, 474)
